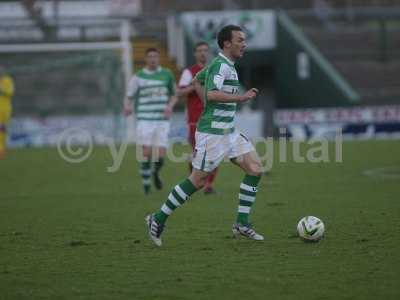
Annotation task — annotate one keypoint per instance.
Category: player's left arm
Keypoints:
(215, 82)
(173, 99)
(130, 96)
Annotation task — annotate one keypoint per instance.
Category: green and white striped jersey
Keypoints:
(151, 91)
(218, 117)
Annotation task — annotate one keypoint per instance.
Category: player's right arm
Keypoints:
(214, 83)
(199, 81)
(130, 96)
(199, 89)
(200, 77)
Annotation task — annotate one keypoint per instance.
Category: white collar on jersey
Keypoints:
(231, 62)
(147, 71)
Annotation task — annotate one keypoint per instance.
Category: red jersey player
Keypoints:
(195, 101)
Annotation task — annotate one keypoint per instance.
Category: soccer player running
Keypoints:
(6, 94)
(216, 138)
(195, 103)
(153, 89)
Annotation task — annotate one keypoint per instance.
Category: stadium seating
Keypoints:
(359, 52)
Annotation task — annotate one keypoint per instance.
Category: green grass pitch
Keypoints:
(75, 231)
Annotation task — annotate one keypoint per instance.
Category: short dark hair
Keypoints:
(225, 34)
(148, 50)
(201, 43)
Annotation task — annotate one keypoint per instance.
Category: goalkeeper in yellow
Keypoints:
(6, 93)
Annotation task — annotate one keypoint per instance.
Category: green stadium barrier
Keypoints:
(318, 84)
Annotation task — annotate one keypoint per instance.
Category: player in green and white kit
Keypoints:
(153, 89)
(216, 138)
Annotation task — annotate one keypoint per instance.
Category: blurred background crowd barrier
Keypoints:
(320, 65)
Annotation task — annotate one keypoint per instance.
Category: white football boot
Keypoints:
(155, 229)
(246, 231)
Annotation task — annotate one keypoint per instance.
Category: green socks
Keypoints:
(178, 196)
(181, 192)
(247, 196)
(145, 172)
(158, 165)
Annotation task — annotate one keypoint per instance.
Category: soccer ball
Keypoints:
(310, 229)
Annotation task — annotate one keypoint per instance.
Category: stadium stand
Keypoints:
(364, 48)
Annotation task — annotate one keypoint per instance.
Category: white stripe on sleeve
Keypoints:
(186, 78)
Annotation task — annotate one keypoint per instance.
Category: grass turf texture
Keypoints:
(75, 231)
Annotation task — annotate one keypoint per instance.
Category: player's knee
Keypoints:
(198, 180)
(255, 169)
(146, 152)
